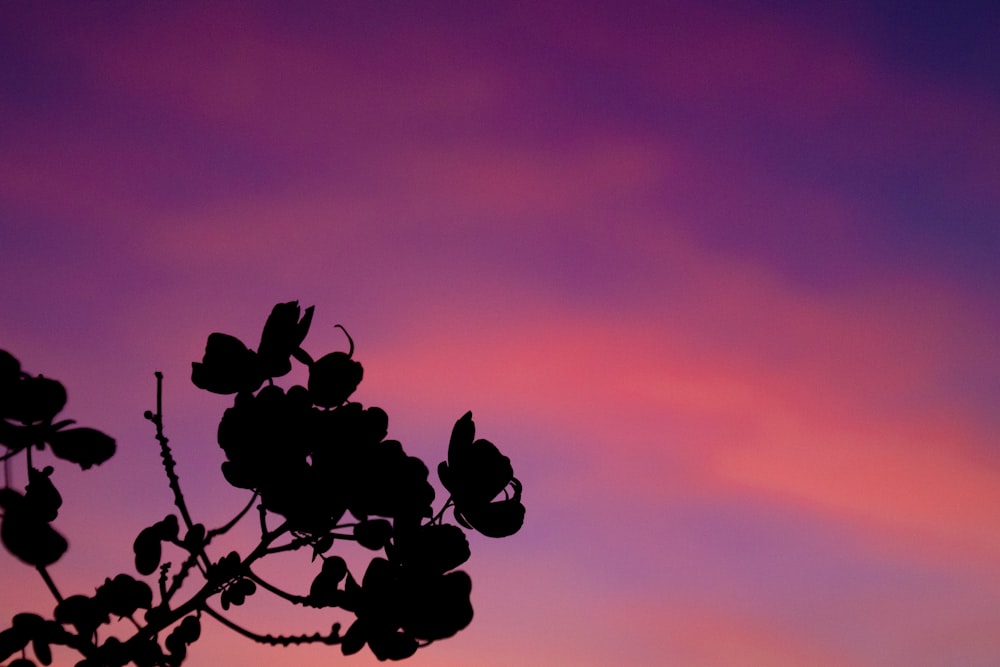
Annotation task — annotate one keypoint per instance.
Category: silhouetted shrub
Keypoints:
(315, 464)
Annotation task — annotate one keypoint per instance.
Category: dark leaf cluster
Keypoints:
(28, 406)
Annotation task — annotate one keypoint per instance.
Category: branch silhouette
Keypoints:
(317, 467)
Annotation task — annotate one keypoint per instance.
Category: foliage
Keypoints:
(317, 467)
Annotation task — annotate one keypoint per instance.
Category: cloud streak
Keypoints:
(720, 282)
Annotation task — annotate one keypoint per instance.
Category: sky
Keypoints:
(721, 279)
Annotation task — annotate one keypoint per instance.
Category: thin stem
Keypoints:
(440, 515)
(302, 600)
(330, 639)
(199, 600)
(163, 582)
(51, 584)
(15, 448)
(182, 573)
(168, 460)
(196, 602)
(169, 464)
(224, 529)
(299, 542)
(262, 549)
(291, 546)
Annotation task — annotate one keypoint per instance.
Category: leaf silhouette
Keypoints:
(26, 534)
(333, 378)
(83, 446)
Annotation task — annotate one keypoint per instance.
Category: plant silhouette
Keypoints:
(319, 471)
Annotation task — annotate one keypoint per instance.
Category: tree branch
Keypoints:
(236, 519)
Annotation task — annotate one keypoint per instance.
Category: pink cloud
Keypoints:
(806, 400)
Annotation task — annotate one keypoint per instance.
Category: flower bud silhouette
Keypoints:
(475, 474)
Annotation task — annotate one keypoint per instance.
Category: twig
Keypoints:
(224, 529)
(440, 515)
(299, 542)
(281, 640)
(168, 460)
(164, 568)
(169, 464)
(302, 600)
(182, 573)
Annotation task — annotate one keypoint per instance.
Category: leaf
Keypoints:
(145, 652)
(228, 367)
(500, 519)
(246, 586)
(194, 540)
(462, 435)
(34, 400)
(12, 640)
(84, 446)
(10, 372)
(439, 606)
(82, 612)
(354, 639)
(190, 629)
(433, 548)
(176, 645)
(373, 534)
(352, 594)
(123, 595)
(168, 528)
(335, 568)
(26, 535)
(148, 551)
(392, 645)
(42, 651)
(333, 378)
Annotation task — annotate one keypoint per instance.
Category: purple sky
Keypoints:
(722, 282)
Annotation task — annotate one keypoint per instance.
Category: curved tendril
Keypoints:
(236, 519)
(350, 352)
(302, 600)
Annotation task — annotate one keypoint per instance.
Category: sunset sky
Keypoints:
(722, 279)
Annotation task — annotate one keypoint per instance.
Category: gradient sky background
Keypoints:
(722, 281)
